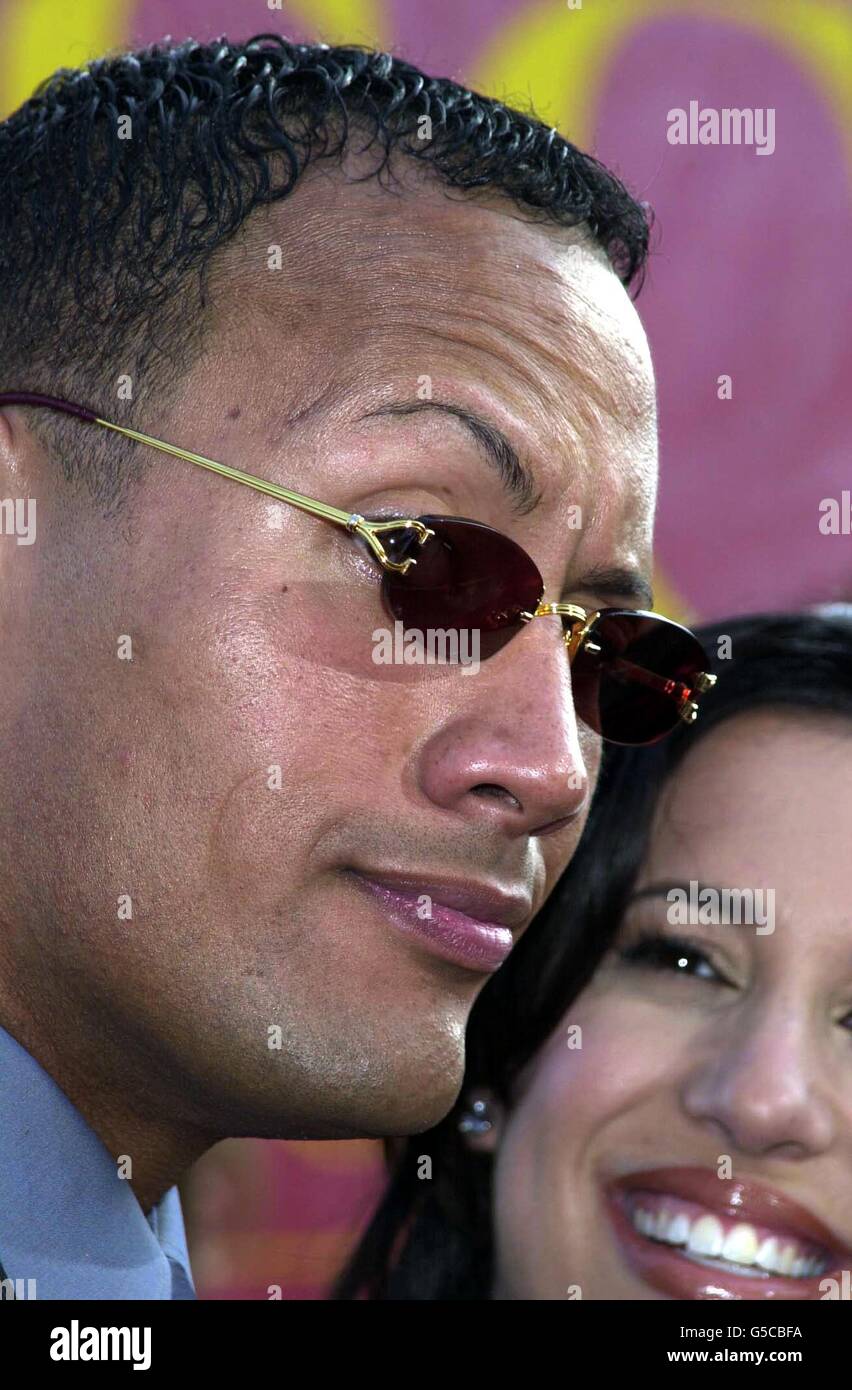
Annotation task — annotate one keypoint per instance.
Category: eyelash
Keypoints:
(357, 553)
(654, 951)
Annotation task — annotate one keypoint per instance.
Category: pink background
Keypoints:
(747, 280)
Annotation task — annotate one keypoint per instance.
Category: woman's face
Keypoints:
(698, 1142)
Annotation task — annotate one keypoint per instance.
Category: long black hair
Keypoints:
(433, 1239)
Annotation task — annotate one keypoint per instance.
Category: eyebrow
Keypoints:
(604, 581)
(613, 582)
(497, 448)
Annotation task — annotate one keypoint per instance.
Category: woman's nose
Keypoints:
(763, 1083)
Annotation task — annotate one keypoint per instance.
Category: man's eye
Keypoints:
(670, 953)
(396, 544)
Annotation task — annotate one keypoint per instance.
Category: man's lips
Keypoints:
(694, 1235)
(470, 923)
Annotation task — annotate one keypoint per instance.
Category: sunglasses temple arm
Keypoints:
(49, 402)
(282, 494)
(642, 676)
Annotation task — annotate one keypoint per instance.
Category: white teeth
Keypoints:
(767, 1255)
(741, 1245)
(679, 1230)
(661, 1228)
(642, 1221)
(706, 1237)
(771, 1257)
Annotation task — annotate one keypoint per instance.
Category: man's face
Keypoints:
(252, 636)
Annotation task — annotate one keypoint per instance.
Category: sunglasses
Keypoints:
(634, 675)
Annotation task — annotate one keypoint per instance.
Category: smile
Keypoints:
(691, 1235)
(714, 1241)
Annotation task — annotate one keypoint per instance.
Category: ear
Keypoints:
(481, 1120)
(19, 469)
(19, 450)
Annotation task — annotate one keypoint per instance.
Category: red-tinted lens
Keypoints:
(467, 577)
(631, 691)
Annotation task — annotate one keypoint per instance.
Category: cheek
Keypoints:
(622, 1066)
(591, 1081)
(579, 1082)
(292, 742)
(286, 754)
(584, 1102)
(540, 1164)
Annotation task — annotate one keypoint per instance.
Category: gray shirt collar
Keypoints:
(66, 1219)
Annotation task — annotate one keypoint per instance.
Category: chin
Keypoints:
(417, 1120)
(355, 1103)
(399, 1112)
(374, 1119)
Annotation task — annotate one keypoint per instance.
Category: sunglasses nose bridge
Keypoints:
(580, 624)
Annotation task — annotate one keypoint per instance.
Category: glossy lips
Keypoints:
(692, 1235)
(469, 924)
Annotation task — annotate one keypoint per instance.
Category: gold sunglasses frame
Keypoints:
(581, 620)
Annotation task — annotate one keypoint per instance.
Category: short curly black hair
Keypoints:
(105, 240)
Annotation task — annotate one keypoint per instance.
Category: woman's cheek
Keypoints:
(583, 1102)
(604, 1059)
(602, 1050)
(548, 1152)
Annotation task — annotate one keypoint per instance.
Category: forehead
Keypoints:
(367, 269)
(349, 295)
(763, 800)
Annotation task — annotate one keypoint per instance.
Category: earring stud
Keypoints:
(476, 1119)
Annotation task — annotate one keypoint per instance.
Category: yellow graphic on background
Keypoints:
(553, 58)
(40, 36)
(340, 21)
(549, 56)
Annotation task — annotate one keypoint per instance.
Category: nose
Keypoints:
(507, 753)
(762, 1084)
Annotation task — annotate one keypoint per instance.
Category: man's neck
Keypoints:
(149, 1154)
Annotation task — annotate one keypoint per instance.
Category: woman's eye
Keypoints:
(670, 953)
